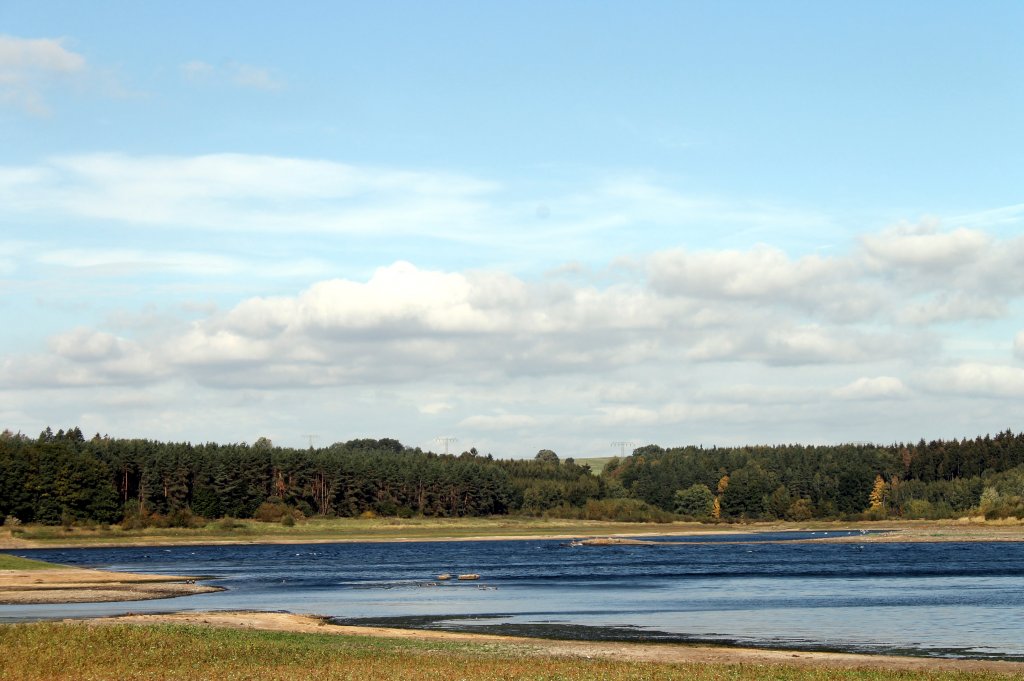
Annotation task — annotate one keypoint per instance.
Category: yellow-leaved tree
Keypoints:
(877, 496)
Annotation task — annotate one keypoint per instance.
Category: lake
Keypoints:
(763, 590)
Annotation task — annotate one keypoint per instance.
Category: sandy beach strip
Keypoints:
(639, 652)
(79, 585)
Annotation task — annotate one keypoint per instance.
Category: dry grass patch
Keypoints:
(78, 651)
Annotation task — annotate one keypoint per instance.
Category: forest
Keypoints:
(66, 478)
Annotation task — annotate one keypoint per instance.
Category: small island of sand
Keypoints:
(79, 585)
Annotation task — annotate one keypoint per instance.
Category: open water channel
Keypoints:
(763, 590)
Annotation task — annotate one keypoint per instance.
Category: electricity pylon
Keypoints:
(446, 440)
(622, 444)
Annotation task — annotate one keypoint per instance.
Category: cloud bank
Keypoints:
(716, 342)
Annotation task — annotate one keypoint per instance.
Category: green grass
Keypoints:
(596, 463)
(78, 651)
(9, 562)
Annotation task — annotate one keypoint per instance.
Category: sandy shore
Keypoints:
(76, 585)
(640, 652)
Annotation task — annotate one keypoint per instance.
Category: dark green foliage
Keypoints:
(794, 482)
(62, 478)
(618, 510)
(695, 501)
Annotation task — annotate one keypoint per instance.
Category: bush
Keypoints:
(12, 521)
(620, 510)
(229, 523)
(288, 521)
(695, 501)
(271, 511)
(183, 517)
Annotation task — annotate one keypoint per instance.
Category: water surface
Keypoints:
(943, 599)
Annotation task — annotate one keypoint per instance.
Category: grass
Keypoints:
(425, 529)
(596, 463)
(346, 529)
(9, 562)
(78, 651)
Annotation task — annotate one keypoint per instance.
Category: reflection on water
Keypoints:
(952, 599)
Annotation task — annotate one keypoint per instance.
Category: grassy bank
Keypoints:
(78, 651)
(8, 562)
(341, 529)
(412, 529)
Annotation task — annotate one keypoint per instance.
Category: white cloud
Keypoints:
(245, 193)
(945, 306)
(977, 379)
(879, 387)
(236, 73)
(197, 70)
(125, 260)
(1018, 344)
(498, 422)
(246, 75)
(28, 67)
(924, 246)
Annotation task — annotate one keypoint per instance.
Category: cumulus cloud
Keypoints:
(669, 342)
(406, 324)
(879, 387)
(977, 379)
(924, 246)
(30, 66)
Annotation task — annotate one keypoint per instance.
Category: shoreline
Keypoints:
(539, 647)
(879, 532)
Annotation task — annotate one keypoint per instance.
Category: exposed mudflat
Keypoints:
(76, 585)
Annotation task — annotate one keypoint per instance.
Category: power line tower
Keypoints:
(622, 444)
(446, 440)
(312, 437)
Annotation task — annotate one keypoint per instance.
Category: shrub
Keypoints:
(621, 510)
(695, 501)
(801, 509)
(229, 523)
(271, 511)
(288, 521)
(183, 517)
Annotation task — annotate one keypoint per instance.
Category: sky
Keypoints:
(523, 225)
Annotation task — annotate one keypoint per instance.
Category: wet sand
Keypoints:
(638, 652)
(76, 585)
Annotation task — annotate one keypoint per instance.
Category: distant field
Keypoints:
(79, 651)
(596, 463)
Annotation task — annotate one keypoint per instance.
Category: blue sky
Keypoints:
(525, 225)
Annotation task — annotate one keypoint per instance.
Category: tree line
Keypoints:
(937, 479)
(64, 477)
